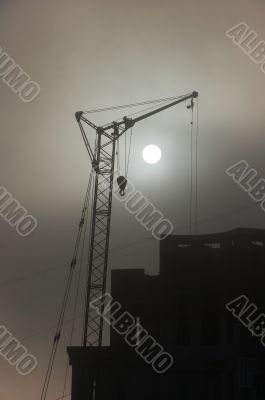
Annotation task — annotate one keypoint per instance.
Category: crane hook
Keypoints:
(122, 182)
(191, 105)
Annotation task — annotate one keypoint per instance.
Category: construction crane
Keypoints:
(103, 161)
(102, 174)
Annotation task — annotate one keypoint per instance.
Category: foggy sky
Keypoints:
(89, 54)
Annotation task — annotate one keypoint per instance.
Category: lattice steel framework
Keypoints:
(103, 159)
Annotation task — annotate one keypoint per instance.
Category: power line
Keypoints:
(75, 303)
(57, 336)
(49, 329)
(136, 242)
(63, 266)
(124, 246)
(32, 275)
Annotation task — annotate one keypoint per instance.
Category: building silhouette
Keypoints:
(184, 308)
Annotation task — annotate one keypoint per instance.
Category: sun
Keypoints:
(152, 154)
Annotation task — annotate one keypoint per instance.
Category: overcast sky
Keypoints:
(86, 54)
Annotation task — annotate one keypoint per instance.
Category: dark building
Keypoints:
(184, 308)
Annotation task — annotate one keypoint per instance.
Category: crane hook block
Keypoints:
(122, 182)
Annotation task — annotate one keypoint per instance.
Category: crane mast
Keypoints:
(103, 161)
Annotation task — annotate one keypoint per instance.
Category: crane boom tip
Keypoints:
(78, 115)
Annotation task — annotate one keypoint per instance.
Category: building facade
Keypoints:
(184, 308)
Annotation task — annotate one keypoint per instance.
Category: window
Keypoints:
(210, 319)
(183, 320)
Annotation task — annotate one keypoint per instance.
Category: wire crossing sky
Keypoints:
(93, 55)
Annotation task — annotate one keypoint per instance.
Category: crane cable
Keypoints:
(191, 166)
(74, 317)
(118, 156)
(127, 159)
(127, 154)
(163, 99)
(67, 292)
(79, 235)
(196, 168)
(193, 206)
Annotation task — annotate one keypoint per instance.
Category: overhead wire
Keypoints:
(76, 296)
(49, 270)
(66, 295)
(56, 268)
(48, 329)
(73, 263)
(137, 242)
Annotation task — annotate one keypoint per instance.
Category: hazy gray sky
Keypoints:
(89, 54)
